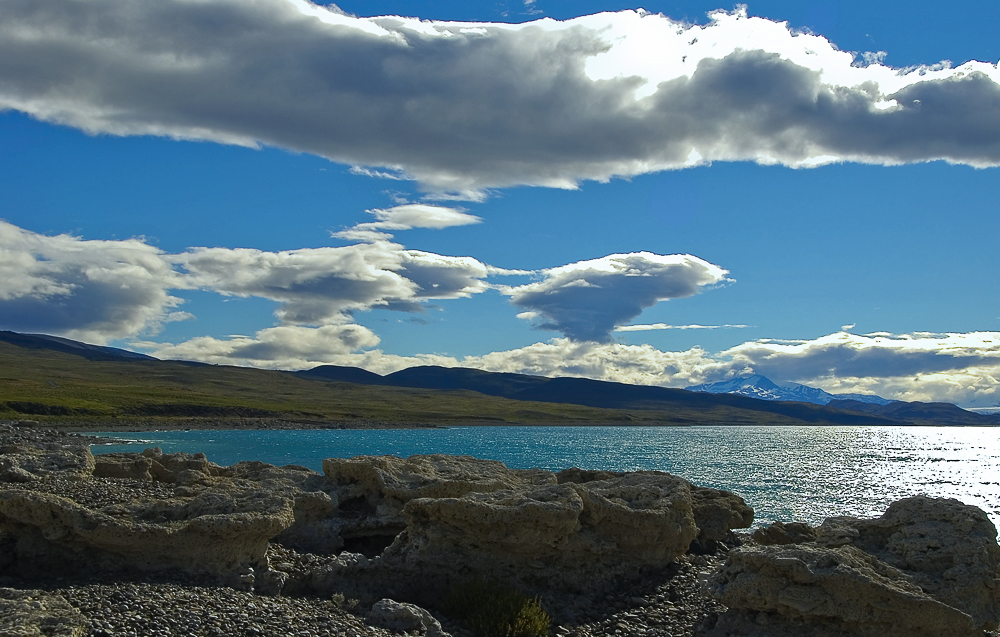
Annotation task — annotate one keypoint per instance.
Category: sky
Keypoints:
(673, 194)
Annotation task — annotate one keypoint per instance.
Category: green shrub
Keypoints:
(491, 610)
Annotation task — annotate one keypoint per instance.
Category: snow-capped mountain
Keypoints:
(757, 386)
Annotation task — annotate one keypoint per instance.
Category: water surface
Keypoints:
(784, 473)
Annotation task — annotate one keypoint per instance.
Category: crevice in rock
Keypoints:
(369, 545)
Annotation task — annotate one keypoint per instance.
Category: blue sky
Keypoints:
(286, 186)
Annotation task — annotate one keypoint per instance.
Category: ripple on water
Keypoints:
(785, 473)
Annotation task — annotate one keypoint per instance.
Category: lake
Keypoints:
(785, 473)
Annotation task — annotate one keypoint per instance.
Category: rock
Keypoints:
(123, 465)
(388, 479)
(948, 548)
(30, 612)
(926, 567)
(817, 591)
(26, 461)
(11, 472)
(550, 537)
(407, 618)
(784, 533)
(214, 532)
(404, 528)
(718, 512)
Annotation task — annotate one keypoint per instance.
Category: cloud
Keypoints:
(96, 291)
(956, 367)
(588, 299)
(293, 347)
(664, 326)
(283, 347)
(99, 291)
(466, 107)
(962, 368)
(423, 216)
(322, 285)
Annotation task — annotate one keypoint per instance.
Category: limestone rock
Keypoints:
(926, 567)
(27, 462)
(818, 591)
(407, 618)
(784, 533)
(548, 537)
(716, 512)
(428, 476)
(214, 532)
(30, 613)
(948, 548)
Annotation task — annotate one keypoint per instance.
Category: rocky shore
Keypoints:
(172, 544)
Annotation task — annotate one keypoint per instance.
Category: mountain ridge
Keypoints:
(55, 377)
(762, 387)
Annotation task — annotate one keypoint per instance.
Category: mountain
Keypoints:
(52, 377)
(339, 374)
(757, 386)
(920, 413)
(688, 406)
(67, 346)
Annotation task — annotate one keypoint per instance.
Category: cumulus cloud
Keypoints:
(324, 285)
(465, 107)
(955, 367)
(95, 291)
(962, 368)
(283, 347)
(587, 300)
(104, 290)
(406, 217)
(293, 347)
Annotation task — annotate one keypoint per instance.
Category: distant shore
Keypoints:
(211, 424)
(269, 424)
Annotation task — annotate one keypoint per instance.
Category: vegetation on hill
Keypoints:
(57, 386)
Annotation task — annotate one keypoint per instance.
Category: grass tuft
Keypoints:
(491, 610)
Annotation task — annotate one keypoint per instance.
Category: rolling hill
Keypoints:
(60, 380)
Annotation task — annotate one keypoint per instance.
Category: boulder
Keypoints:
(213, 532)
(25, 462)
(550, 537)
(827, 592)
(716, 512)
(926, 567)
(784, 533)
(30, 613)
(404, 618)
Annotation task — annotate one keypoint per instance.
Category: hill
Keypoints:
(640, 398)
(56, 379)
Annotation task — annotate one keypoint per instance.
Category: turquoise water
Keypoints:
(785, 473)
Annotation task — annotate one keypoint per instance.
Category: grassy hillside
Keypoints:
(55, 386)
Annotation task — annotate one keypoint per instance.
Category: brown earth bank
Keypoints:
(173, 544)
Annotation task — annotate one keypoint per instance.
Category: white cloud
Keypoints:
(960, 368)
(294, 347)
(95, 291)
(406, 217)
(963, 368)
(465, 107)
(322, 285)
(423, 216)
(283, 347)
(588, 299)
(665, 326)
